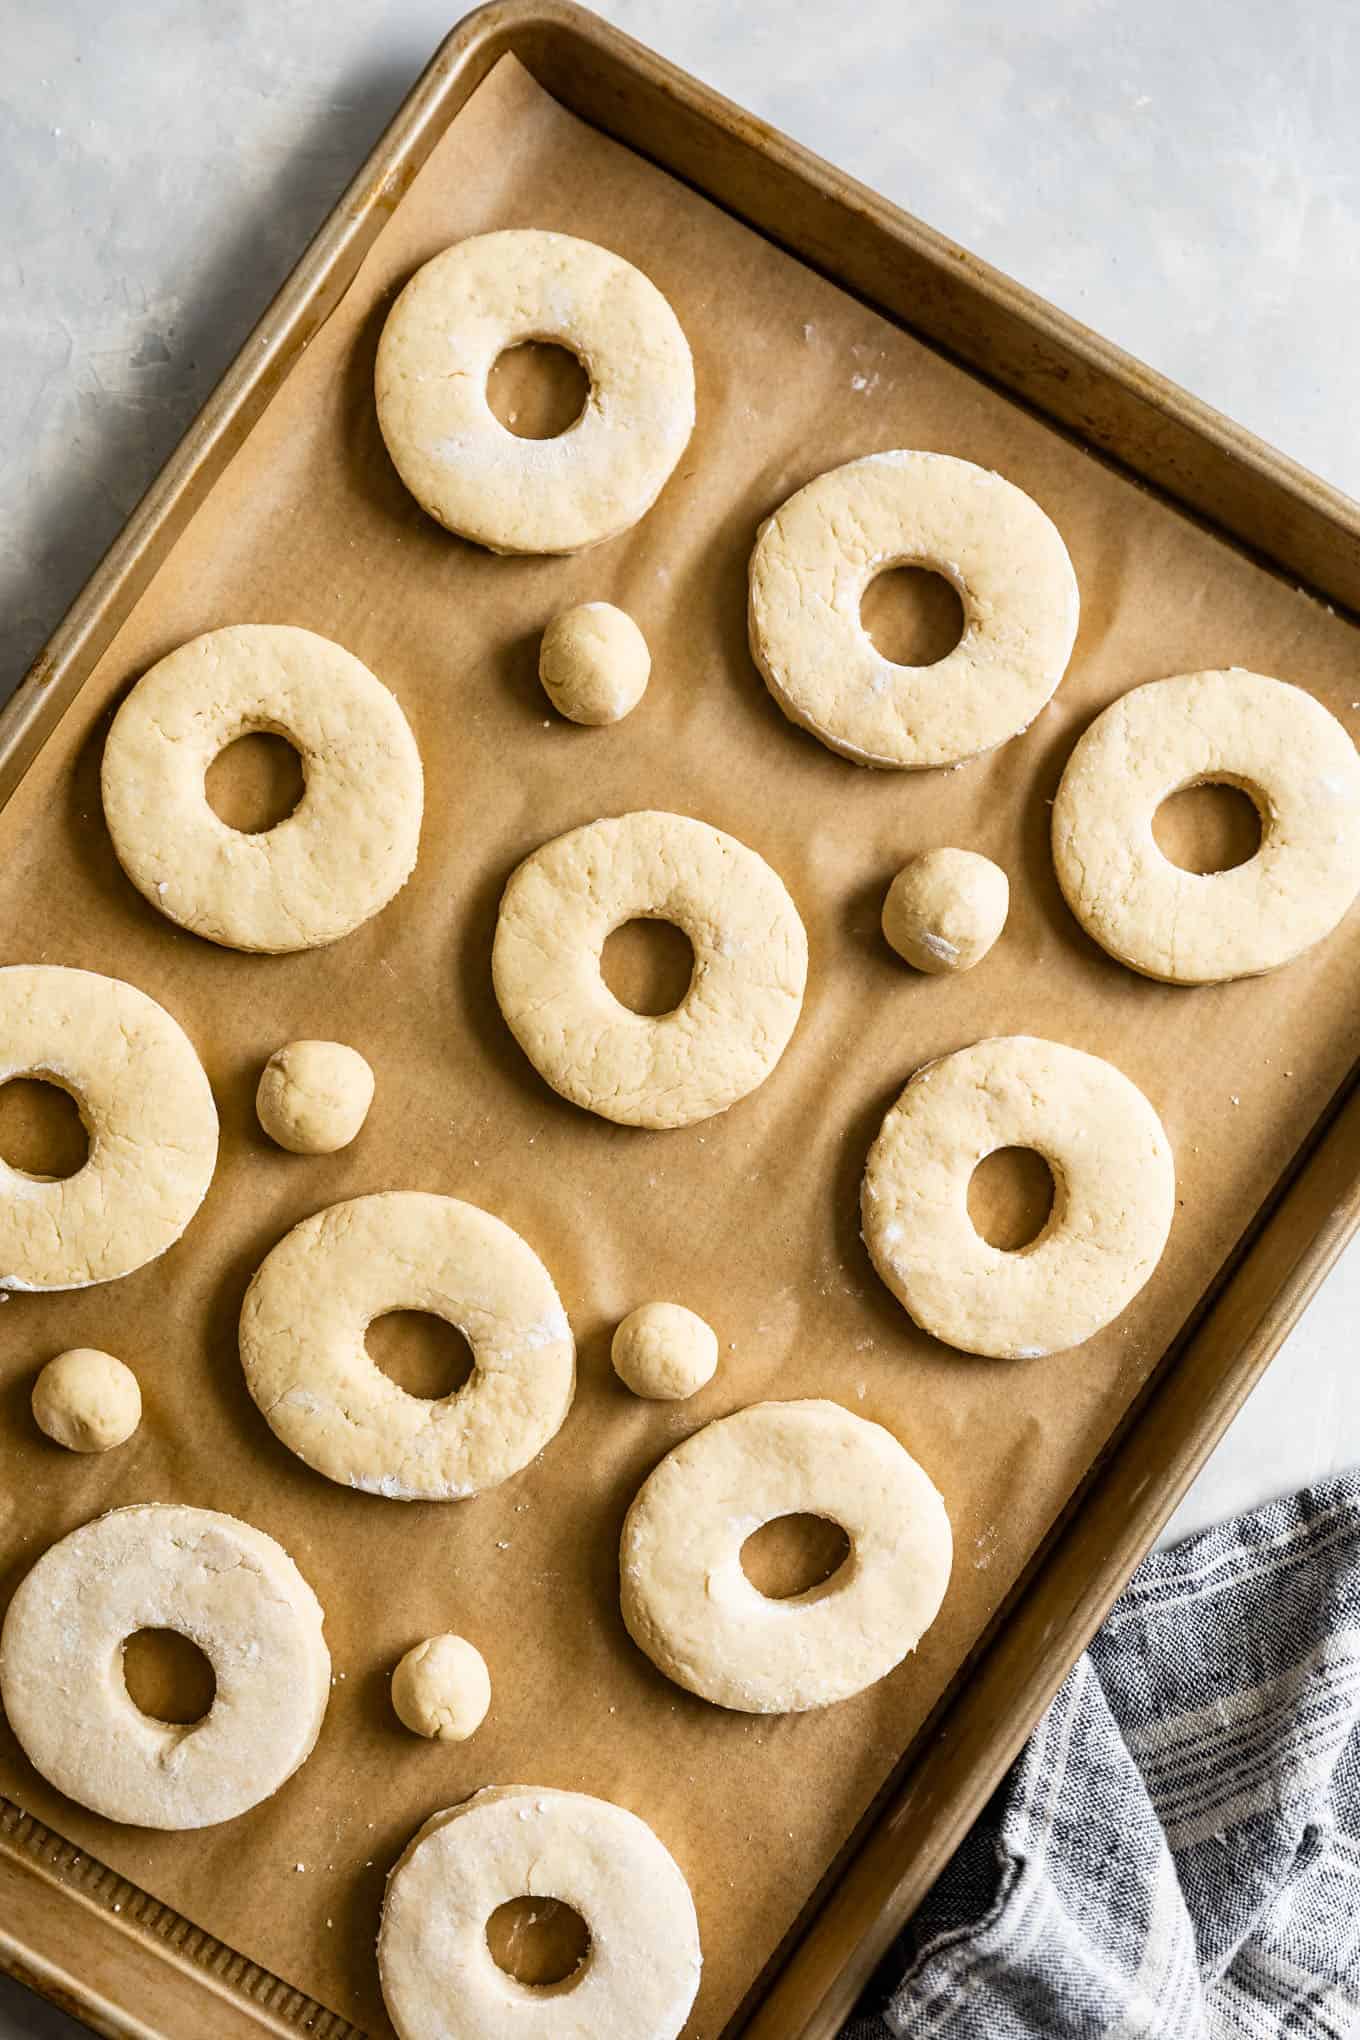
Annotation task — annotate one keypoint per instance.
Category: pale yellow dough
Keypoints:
(442, 338)
(313, 1096)
(146, 1106)
(348, 846)
(640, 1974)
(945, 909)
(689, 1605)
(87, 1401)
(594, 663)
(232, 1591)
(302, 1346)
(750, 967)
(817, 554)
(664, 1352)
(1235, 728)
(1114, 1196)
(442, 1689)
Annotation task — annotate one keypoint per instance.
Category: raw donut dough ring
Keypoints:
(641, 1973)
(302, 1346)
(1114, 1196)
(442, 338)
(232, 1591)
(350, 843)
(817, 554)
(689, 1605)
(750, 967)
(146, 1106)
(1283, 749)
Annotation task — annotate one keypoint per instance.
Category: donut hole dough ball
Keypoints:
(235, 1594)
(945, 909)
(147, 1109)
(640, 1973)
(314, 1096)
(815, 558)
(348, 846)
(1114, 1196)
(445, 333)
(87, 1400)
(1274, 742)
(743, 1002)
(664, 1352)
(594, 663)
(442, 1689)
(303, 1326)
(688, 1603)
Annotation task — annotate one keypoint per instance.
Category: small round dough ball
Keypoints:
(594, 663)
(665, 1352)
(945, 909)
(87, 1400)
(442, 1689)
(314, 1096)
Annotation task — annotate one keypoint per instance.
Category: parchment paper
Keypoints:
(752, 1218)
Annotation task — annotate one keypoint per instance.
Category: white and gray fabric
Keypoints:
(1176, 1856)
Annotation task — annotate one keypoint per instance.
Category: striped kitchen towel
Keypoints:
(1176, 1855)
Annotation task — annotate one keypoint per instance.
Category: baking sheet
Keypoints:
(752, 1218)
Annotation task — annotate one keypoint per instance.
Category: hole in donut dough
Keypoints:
(912, 615)
(1214, 826)
(255, 783)
(648, 965)
(1010, 1197)
(422, 1353)
(537, 390)
(793, 1555)
(167, 1676)
(538, 1941)
(41, 1131)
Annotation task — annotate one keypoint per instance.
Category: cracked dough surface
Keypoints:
(232, 1591)
(146, 1106)
(1235, 728)
(302, 1346)
(689, 1605)
(348, 846)
(1114, 1196)
(442, 338)
(640, 1974)
(817, 554)
(743, 1002)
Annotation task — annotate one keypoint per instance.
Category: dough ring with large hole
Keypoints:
(640, 1974)
(349, 844)
(232, 1591)
(817, 554)
(302, 1346)
(750, 967)
(146, 1106)
(689, 1605)
(1283, 749)
(442, 338)
(1114, 1196)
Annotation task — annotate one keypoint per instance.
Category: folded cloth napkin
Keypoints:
(1177, 1853)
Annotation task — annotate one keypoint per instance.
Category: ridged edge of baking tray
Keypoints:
(135, 1969)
